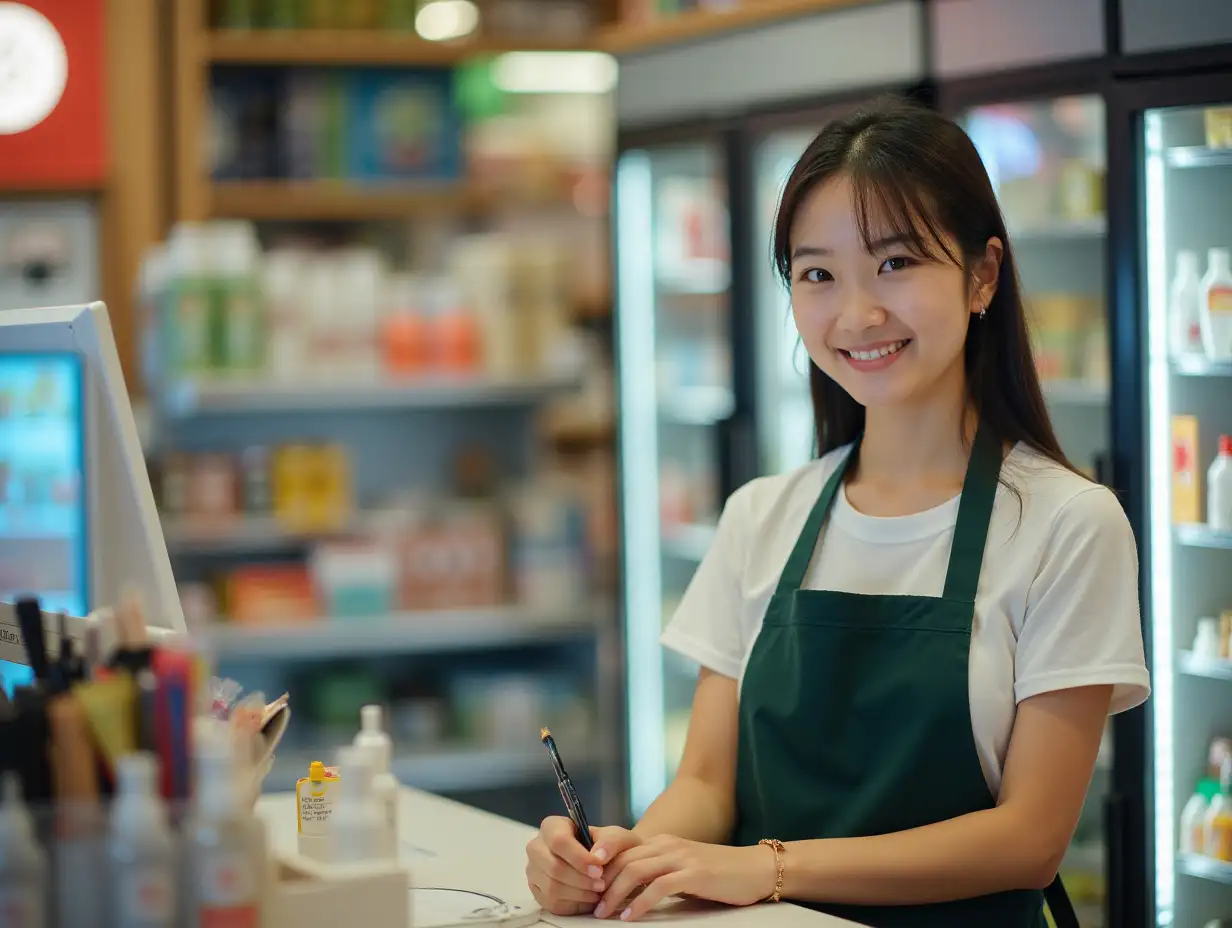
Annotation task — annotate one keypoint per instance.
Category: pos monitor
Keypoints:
(78, 524)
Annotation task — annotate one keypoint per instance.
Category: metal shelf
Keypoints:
(1198, 156)
(688, 542)
(447, 769)
(424, 632)
(1198, 535)
(1193, 666)
(245, 535)
(1061, 230)
(1204, 868)
(236, 396)
(1198, 366)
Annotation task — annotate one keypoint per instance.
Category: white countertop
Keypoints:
(446, 843)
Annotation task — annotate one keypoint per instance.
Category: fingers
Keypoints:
(670, 884)
(557, 897)
(554, 868)
(558, 835)
(637, 872)
(611, 841)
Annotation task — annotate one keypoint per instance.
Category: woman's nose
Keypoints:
(859, 310)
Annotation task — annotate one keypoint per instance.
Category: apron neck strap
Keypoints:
(970, 531)
(975, 506)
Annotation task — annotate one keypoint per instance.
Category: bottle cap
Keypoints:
(1225, 445)
(316, 771)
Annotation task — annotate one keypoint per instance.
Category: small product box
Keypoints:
(1186, 492)
(314, 803)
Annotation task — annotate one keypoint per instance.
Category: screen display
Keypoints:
(43, 541)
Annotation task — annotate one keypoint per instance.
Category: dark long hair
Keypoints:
(918, 172)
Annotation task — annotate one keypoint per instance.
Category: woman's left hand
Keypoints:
(670, 866)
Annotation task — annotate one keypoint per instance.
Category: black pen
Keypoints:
(573, 804)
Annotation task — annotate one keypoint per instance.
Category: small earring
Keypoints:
(983, 311)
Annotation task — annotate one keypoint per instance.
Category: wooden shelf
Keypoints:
(306, 200)
(356, 47)
(697, 24)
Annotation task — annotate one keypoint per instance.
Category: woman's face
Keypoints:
(888, 327)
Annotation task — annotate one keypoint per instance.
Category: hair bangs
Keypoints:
(887, 209)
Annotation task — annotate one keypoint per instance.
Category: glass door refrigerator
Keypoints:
(1172, 222)
(679, 416)
(1045, 152)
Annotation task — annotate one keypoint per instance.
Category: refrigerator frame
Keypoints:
(1134, 770)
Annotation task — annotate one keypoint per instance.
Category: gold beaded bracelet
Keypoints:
(775, 843)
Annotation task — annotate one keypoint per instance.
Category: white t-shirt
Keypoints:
(1057, 605)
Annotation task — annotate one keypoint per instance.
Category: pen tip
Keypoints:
(544, 734)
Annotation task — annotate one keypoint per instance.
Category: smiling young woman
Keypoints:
(911, 645)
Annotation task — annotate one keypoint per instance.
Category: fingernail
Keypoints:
(599, 910)
(598, 886)
(593, 871)
(624, 916)
(601, 855)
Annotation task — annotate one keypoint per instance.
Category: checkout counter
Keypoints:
(450, 845)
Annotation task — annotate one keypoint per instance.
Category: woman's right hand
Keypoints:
(565, 878)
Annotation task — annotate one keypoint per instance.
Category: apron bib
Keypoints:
(854, 713)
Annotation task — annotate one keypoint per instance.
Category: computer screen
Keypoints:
(78, 523)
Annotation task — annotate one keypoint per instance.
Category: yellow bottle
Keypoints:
(1218, 822)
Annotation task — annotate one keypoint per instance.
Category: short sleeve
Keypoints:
(1083, 624)
(708, 625)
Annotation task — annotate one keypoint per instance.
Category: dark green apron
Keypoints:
(854, 711)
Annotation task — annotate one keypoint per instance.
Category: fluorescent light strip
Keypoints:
(1159, 412)
(555, 72)
(639, 479)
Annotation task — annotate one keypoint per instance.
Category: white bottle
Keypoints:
(371, 737)
(1216, 305)
(356, 824)
(23, 865)
(1184, 306)
(1219, 488)
(141, 849)
(228, 851)
(1206, 640)
(1192, 825)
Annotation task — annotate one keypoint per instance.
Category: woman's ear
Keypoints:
(984, 275)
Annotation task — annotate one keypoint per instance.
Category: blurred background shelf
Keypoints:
(1194, 666)
(234, 395)
(360, 47)
(323, 199)
(630, 38)
(688, 542)
(452, 769)
(1094, 227)
(1198, 156)
(1198, 366)
(1075, 392)
(1204, 868)
(409, 632)
(246, 535)
(1199, 536)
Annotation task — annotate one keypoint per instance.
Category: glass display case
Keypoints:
(674, 356)
(1186, 235)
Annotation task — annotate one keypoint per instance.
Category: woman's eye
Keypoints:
(815, 275)
(897, 263)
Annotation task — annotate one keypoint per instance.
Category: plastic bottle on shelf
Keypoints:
(1192, 826)
(23, 865)
(141, 849)
(372, 738)
(1184, 306)
(240, 309)
(1217, 823)
(1216, 305)
(1219, 488)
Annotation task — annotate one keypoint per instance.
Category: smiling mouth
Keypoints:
(874, 354)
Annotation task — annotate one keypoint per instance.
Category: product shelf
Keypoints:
(1194, 666)
(1199, 156)
(246, 535)
(360, 47)
(1198, 535)
(1075, 392)
(630, 38)
(1204, 868)
(235, 395)
(416, 632)
(1198, 366)
(307, 200)
(1061, 230)
(697, 405)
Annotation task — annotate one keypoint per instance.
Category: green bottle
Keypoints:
(187, 307)
(238, 335)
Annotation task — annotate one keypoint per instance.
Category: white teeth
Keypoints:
(877, 353)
